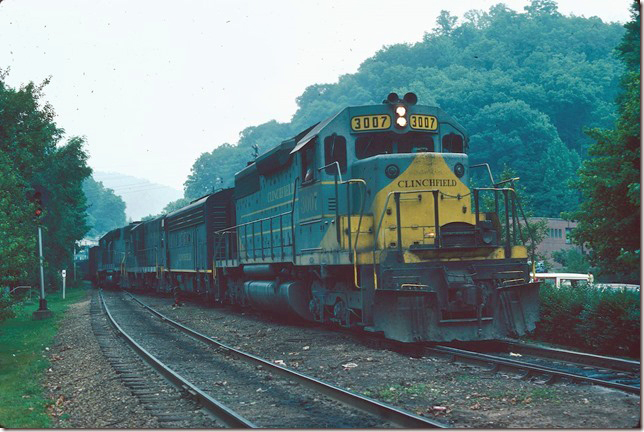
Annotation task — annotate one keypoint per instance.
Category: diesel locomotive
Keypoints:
(366, 219)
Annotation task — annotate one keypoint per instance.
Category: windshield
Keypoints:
(389, 143)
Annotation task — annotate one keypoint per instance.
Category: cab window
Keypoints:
(308, 163)
(415, 142)
(369, 145)
(452, 143)
(335, 150)
(373, 144)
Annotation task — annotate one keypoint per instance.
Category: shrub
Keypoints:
(604, 321)
(6, 305)
(610, 322)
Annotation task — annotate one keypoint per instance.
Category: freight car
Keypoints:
(366, 219)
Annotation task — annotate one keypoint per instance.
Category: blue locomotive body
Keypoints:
(366, 219)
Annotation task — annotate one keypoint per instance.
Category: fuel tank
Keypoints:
(288, 298)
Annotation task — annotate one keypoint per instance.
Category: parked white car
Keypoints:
(566, 279)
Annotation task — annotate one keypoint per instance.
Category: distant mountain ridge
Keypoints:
(141, 196)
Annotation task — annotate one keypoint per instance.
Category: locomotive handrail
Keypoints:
(489, 171)
(515, 196)
(220, 234)
(525, 219)
(515, 225)
(140, 253)
(337, 174)
(235, 229)
(337, 165)
(364, 184)
(293, 218)
(231, 228)
(122, 264)
(355, 248)
(436, 193)
(384, 209)
(382, 216)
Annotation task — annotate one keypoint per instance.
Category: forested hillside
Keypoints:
(525, 84)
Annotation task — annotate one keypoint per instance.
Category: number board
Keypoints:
(370, 122)
(425, 122)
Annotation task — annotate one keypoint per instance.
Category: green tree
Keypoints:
(524, 139)
(445, 23)
(609, 216)
(105, 209)
(572, 261)
(17, 230)
(64, 171)
(31, 154)
(542, 8)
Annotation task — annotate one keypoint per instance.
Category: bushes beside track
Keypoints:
(599, 320)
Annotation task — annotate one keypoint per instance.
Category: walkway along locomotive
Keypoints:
(365, 219)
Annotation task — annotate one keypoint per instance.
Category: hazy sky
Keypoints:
(153, 84)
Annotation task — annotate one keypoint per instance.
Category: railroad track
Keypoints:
(156, 395)
(296, 401)
(551, 363)
(585, 359)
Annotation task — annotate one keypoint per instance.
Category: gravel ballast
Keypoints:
(460, 395)
(88, 393)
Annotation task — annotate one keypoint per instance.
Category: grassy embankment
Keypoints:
(24, 360)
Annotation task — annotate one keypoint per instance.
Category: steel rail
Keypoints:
(530, 368)
(220, 411)
(613, 363)
(384, 411)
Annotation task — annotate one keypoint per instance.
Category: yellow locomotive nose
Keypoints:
(408, 209)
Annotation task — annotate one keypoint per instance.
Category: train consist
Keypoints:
(366, 219)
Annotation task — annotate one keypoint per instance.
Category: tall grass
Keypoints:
(24, 361)
(600, 320)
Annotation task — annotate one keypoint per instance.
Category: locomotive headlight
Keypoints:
(392, 171)
(459, 170)
(401, 122)
(401, 111)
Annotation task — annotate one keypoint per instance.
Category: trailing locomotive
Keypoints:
(366, 219)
